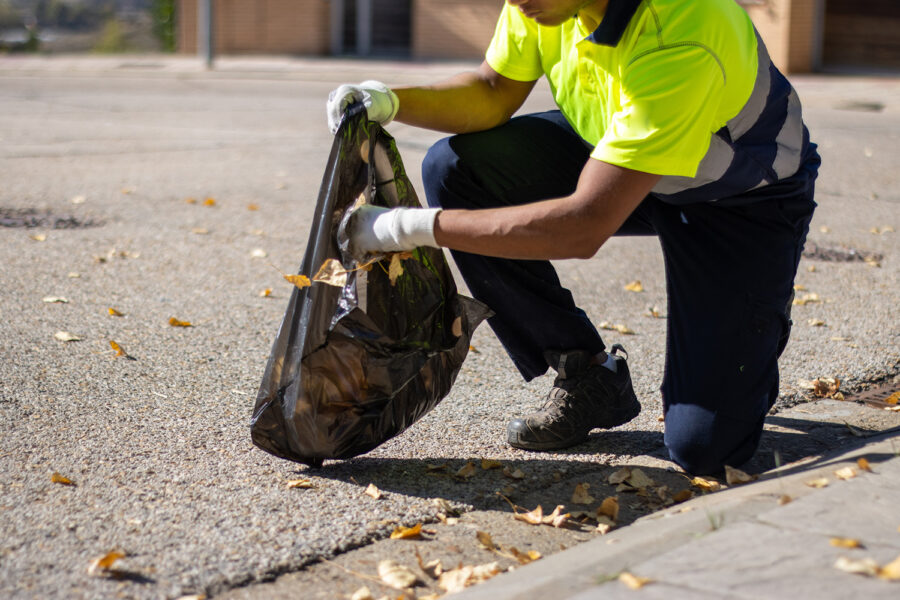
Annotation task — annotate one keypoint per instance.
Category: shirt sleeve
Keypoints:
(513, 51)
(670, 98)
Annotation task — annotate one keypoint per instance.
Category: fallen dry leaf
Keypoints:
(118, 349)
(816, 323)
(253, 207)
(736, 476)
(609, 508)
(460, 578)
(258, 253)
(804, 299)
(524, 557)
(845, 543)
(707, 485)
(535, 517)
(303, 484)
(65, 336)
(396, 575)
(467, 470)
(623, 329)
(635, 286)
(890, 571)
(845, 473)
(826, 387)
(633, 582)
(864, 465)
(513, 473)
(785, 499)
(209, 202)
(300, 281)
(407, 533)
(557, 518)
(683, 495)
(818, 483)
(619, 476)
(191, 200)
(267, 292)
(57, 478)
(604, 525)
(487, 464)
(485, 540)
(581, 495)
(332, 272)
(362, 593)
(102, 565)
(653, 311)
(373, 491)
(638, 479)
(55, 300)
(176, 323)
(200, 231)
(436, 468)
(115, 313)
(893, 398)
(39, 237)
(861, 566)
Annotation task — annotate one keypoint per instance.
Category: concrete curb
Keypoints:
(580, 571)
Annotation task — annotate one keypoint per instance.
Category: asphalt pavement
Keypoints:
(152, 187)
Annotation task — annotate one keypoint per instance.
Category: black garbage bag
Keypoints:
(355, 365)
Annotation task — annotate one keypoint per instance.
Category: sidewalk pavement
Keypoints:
(774, 538)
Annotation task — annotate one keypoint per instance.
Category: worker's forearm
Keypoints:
(462, 104)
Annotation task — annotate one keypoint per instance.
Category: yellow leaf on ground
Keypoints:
(396, 575)
(523, 557)
(65, 336)
(653, 311)
(638, 479)
(362, 593)
(845, 473)
(103, 564)
(736, 476)
(784, 500)
(303, 484)
(407, 533)
(199, 230)
(581, 495)
(467, 470)
(862, 566)
(513, 473)
(191, 200)
(39, 237)
(117, 348)
(893, 398)
(610, 508)
(707, 485)
(176, 323)
(683, 495)
(253, 207)
(635, 286)
(115, 313)
(57, 478)
(557, 518)
(890, 571)
(267, 292)
(623, 329)
(209, 202)
(331, 272)
(619, 476)
(818, 482)
(816, 323)
(845, 543)
(863, 464)
(300, 281)
(535, 517)
(487, 464)
(633, 582)
(485, 540)
(373, 491)
(804, 299)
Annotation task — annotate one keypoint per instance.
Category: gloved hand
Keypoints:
(377, 229)
(381, 103)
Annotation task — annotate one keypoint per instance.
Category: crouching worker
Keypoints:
(672, 121)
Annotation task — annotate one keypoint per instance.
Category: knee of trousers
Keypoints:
(702, 442)
(441, 174)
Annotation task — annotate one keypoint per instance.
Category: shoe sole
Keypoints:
(515, 441)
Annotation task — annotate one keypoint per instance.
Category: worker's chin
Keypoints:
(549, 20)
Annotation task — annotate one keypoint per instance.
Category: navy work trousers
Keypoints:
(729, 277)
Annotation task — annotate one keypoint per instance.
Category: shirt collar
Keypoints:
(618, 15)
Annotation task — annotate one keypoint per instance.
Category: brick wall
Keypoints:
(259, 26)
(789, 29)
(453, 29)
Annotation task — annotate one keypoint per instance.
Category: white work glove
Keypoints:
(381, 103)
(377, 229)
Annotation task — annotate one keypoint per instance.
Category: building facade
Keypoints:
(802, 35)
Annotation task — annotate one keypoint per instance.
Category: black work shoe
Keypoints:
(584, 396)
